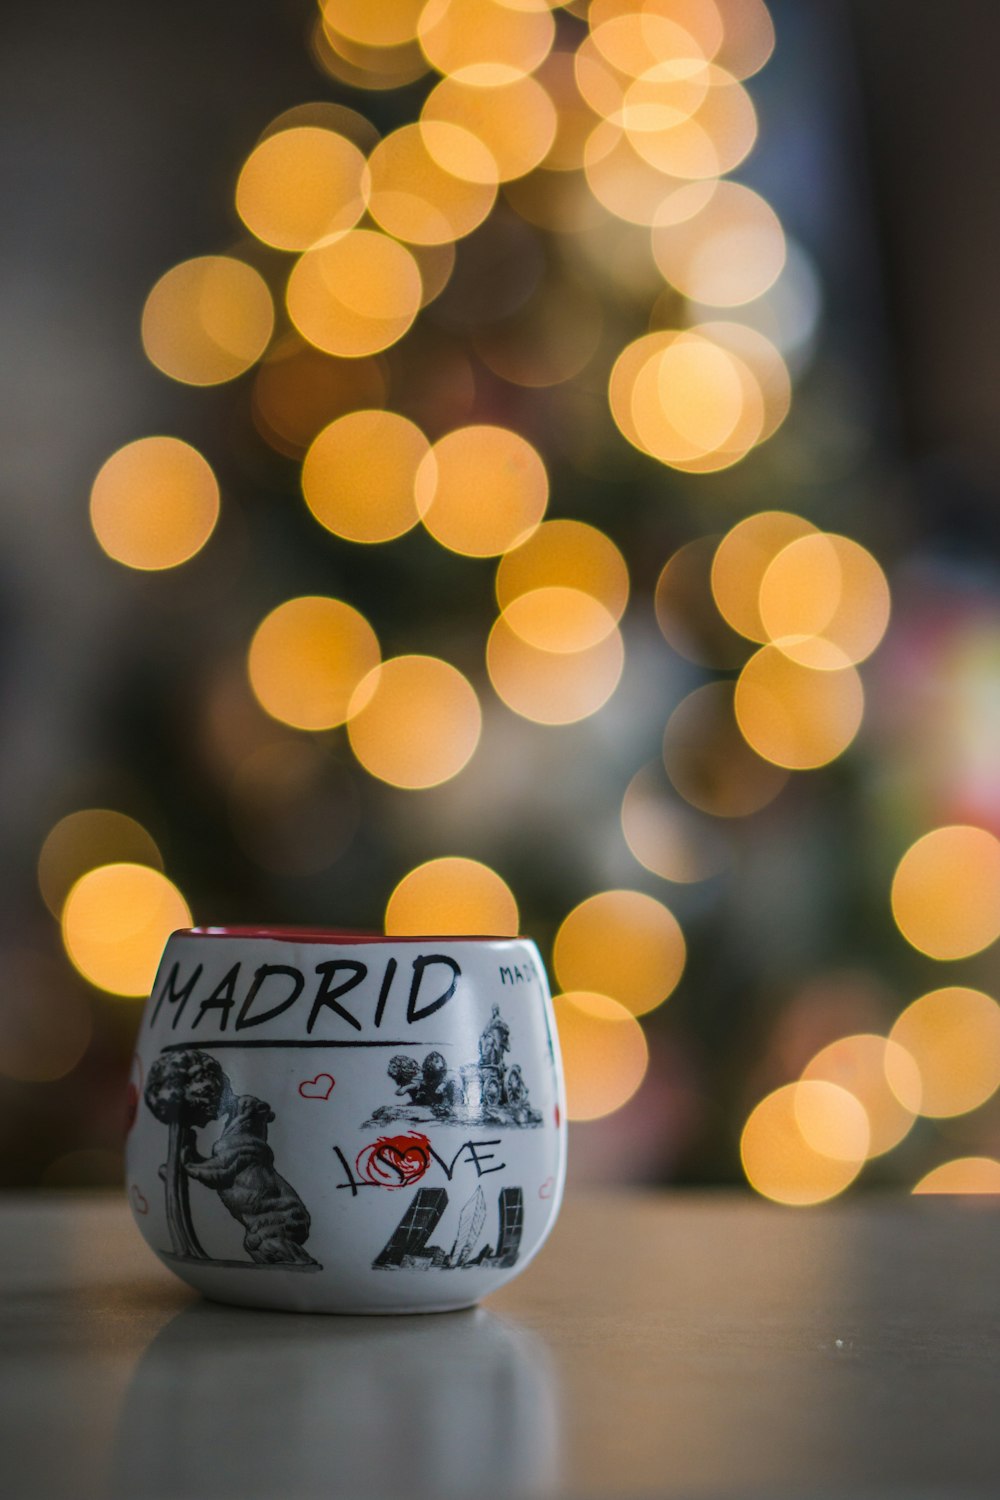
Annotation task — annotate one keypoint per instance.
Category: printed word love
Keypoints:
(397, 1161)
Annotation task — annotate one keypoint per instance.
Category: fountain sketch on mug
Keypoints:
(484, 1092)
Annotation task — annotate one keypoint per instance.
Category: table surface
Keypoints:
(661, 1344)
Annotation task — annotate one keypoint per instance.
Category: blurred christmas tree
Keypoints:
(499, 608)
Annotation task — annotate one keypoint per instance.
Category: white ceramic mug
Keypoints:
(339, 1123)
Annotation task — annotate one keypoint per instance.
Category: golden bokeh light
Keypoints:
(300, 185)
(435, 263)
(642, 71)
(666, 837)
(741, 560)
(701, 18)
(574, 117)
(116, 922)
(794, 716)
(337, 118)
(458, 150)
(412, 196)
(826, 586)
(631, 42)
(306, 659)
(749, 36)
(648, 68)
(779, 1160)
(772, 384)
(862, 1064)
(154, 504)
(359, 66)
(516, 123)
(728, 253)
(414, 722)
(354, 295)
(390, 23)
(623, 944)
(452, 897)
(566, 554)
(832, 1121)
(485, 42)
(964, 1175)
(632, 188)
(632, 360)
(551, 687)
(665, 95)
(686, 611)
(559, 619)
(709, 761)
(45, 1019)
(481, 490)
(715, 139)
(81, 841)
(746, 434)
(946, 892)
(604, 1052)
(207, 320)
(953, 1036)
(298, 390)
(686, 400)
(358, 477)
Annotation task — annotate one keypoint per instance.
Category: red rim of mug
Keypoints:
(334, 935)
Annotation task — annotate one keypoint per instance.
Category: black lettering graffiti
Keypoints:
(222, 999)
(264, 973)
(175, 996)
(420, 967)
(274, 990)
(326, 995)
(522, 973)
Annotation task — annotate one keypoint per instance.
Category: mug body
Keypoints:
(337, 1123)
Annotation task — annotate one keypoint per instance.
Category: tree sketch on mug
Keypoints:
(409, 1247)
(485, 1092)
(187, 1089)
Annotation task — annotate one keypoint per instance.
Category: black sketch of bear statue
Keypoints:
(241, 1171)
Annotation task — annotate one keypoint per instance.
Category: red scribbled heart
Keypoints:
(394, 1161)
(139, 1201)
(320, 1087)
(547, 1188)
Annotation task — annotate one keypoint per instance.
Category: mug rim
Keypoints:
(336, 937)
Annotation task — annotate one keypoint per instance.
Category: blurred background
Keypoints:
(493, 465)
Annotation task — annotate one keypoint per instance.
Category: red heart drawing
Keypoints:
(547, 1188)
(139, 1201)
(395, 1161)
(320, 1087)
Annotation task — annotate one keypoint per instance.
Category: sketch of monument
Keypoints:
(484, 1092)
(186, 1090)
